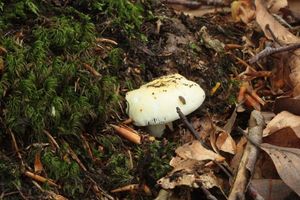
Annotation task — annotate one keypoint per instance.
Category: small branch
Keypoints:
(196, 4)
(92, 70)
(52, 139)
(269, 51)
(247, 164)
(190, 127)
(40, 178)
(207, 193)
(14, 142)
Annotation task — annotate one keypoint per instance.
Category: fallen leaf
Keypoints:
(264, 19)
(289, 104)
(284, 36)
(273, 189)
(294, 7)
(226, 143)
(287, 163)
(284, 137)
(242, 10)
(196, 151)
(283, 120)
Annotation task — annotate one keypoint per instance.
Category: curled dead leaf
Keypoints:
(287, 163)
(196, 151)
(242, 10)
(283, 120)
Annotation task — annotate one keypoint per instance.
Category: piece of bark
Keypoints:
(246, 167)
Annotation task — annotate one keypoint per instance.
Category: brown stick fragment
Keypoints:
(196, 4)
(246, 167)
(75, 157)
(16, 148)
(126, 133)
(91, 69)
(270, 50)
(40, 178)
(52, 139)
(190, 127)
(207, 193)
(106, 40)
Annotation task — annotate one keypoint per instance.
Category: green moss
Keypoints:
(44, 85)
(63, 169)
(156, 157)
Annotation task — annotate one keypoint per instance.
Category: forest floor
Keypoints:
(65, 69)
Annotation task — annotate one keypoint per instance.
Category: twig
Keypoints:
(40, 178)
(99, 192)
(74, 156)
(207, 193)
(270, 50)
(247, 164)
(52, 139)
(190, 127)
(128, 134)
(195, 4)
(92, 70)
(16, 148)
(272, 34)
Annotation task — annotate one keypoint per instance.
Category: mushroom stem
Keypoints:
(158, 129)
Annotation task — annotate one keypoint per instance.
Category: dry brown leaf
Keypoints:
(274, 189)
(189, 173)
(289, 104)
(196, 151)
(294, 7)
(178, 179)
(284, 137)
(283, 120)
(264, 18)
(275, 5)
(243, 10)
(287, 163)
(294, 64)
(226, 143)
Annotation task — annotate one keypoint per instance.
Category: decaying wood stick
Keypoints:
(40, 178)
(270, 50)
(190, 127)
(247, 164)
(196, 4)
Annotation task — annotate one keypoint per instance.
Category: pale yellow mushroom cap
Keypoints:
(156, 102)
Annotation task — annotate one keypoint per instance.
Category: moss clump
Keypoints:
(44, 84)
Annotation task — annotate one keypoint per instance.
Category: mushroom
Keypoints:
(154, 104)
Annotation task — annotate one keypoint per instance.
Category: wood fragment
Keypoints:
(132, 188)
(14, 142)
(75, 157)
(270, 50)
(92, 70)
(87, 147)
(246, 167)
(128, 134)
(106, 40)
(40, 178)
(52, 139)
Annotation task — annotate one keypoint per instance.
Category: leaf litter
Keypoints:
(194, 40)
